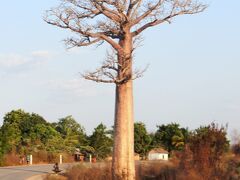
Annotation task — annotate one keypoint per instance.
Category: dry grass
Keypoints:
(102, 171)
(99, 171)
(55, 177)
(151, 170)
(155, 170)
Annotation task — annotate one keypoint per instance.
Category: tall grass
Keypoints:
(153, 170)
(145, 170)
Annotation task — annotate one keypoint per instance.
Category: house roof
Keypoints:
(78, 153)
(158, 150)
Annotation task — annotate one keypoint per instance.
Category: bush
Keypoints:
(1, 159)
(236, 149)
(232, 171)
(11, 159)
(204, 153)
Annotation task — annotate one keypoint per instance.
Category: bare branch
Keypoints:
(131, 6)
(150, 10)
(176, 8)
(118, 23)
(139, 73)
(108, 71)
(69, 18)
(72, 42)
(111, 14)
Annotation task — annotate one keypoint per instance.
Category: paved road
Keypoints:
(24, 172)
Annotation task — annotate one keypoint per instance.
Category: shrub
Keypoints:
(204, 152)
(11, 159)
(236, 149)
(232, 171)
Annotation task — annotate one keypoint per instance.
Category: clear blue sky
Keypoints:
(193, 78)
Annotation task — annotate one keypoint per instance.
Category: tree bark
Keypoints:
(123, 166)
(123, 155)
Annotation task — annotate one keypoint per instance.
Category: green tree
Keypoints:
(101, 141)
(11, 132)
(1, 148)
(68, 125)
(170, 136)
(24, 132)
(29, 126)
(142, 140)
(73, 134)
(178, 141)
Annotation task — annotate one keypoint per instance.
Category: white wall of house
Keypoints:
(158, 156)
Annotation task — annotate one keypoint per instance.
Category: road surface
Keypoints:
(24, 172)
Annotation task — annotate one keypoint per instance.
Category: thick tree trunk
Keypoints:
(123, 156)
(123, 166)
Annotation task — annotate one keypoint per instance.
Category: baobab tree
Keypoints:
(119, 24)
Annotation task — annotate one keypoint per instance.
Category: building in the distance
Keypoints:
(158, 154)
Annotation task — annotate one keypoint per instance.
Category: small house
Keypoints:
(78, 156)
(158, 154)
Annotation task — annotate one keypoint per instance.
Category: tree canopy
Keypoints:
(170, 136)
(109, 21)
(101, 141)
(142, 140)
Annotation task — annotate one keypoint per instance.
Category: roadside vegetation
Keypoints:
(203, 153)
(25, 133)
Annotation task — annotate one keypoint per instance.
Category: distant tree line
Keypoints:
(24, 133)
